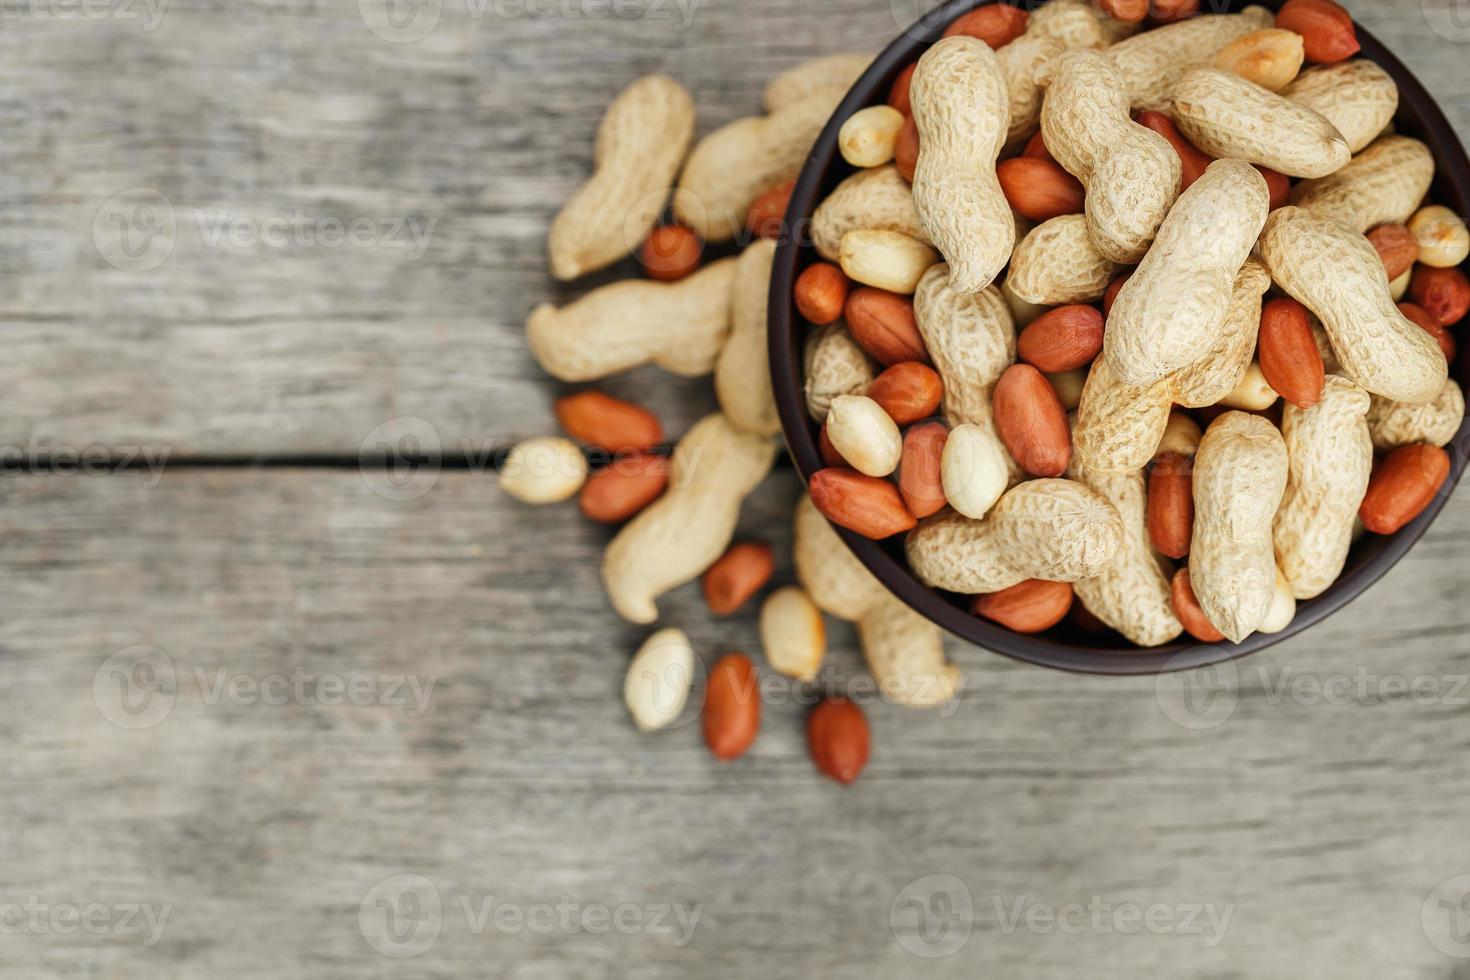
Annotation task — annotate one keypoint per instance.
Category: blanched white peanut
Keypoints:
(1253, 394)
(878, 199)
(864, 435)
(1283, 608)
(1169, 313)
(835, 365)
(904, 650)
(886, 259)
(1331, 459)
(868, 136)
(974, 470)
(743, 373)
(1337, 274)
(544, 471)
(793, 634)
(959, 99)
(656, 687)
(680, 326)
(1271, 58)
(1399, 288)
(640, 145)
(1181, 436)
(1228, 116)
(686, 530)
(1240, 476)
(1444, 242)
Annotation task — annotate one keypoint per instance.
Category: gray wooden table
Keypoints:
(303, 720)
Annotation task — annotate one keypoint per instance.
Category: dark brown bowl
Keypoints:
(1067, 648)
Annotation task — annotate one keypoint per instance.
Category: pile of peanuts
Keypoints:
(1124, 184)
(1234, 306)
(657, 192)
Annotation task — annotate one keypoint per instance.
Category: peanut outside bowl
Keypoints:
(1066, 648)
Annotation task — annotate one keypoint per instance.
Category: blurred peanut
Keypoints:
(544, 471)
(868, 136)
(793, 634)
(920, 474)
(1443, 239)
(671, 253)
(974, 471)
(821, 293)
(864, 434)
(1271, 58)
(886, 260)
(739, 574)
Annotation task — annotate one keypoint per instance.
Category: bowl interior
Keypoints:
(1065, 647)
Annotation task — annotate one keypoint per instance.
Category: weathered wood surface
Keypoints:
(1322, 822)
(252, 110)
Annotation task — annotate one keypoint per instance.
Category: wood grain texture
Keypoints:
(1324, 821)
(483, 129)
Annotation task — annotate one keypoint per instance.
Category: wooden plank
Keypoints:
(1321, 823)
(477, 133)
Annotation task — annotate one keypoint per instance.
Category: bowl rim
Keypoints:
(785, 339)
